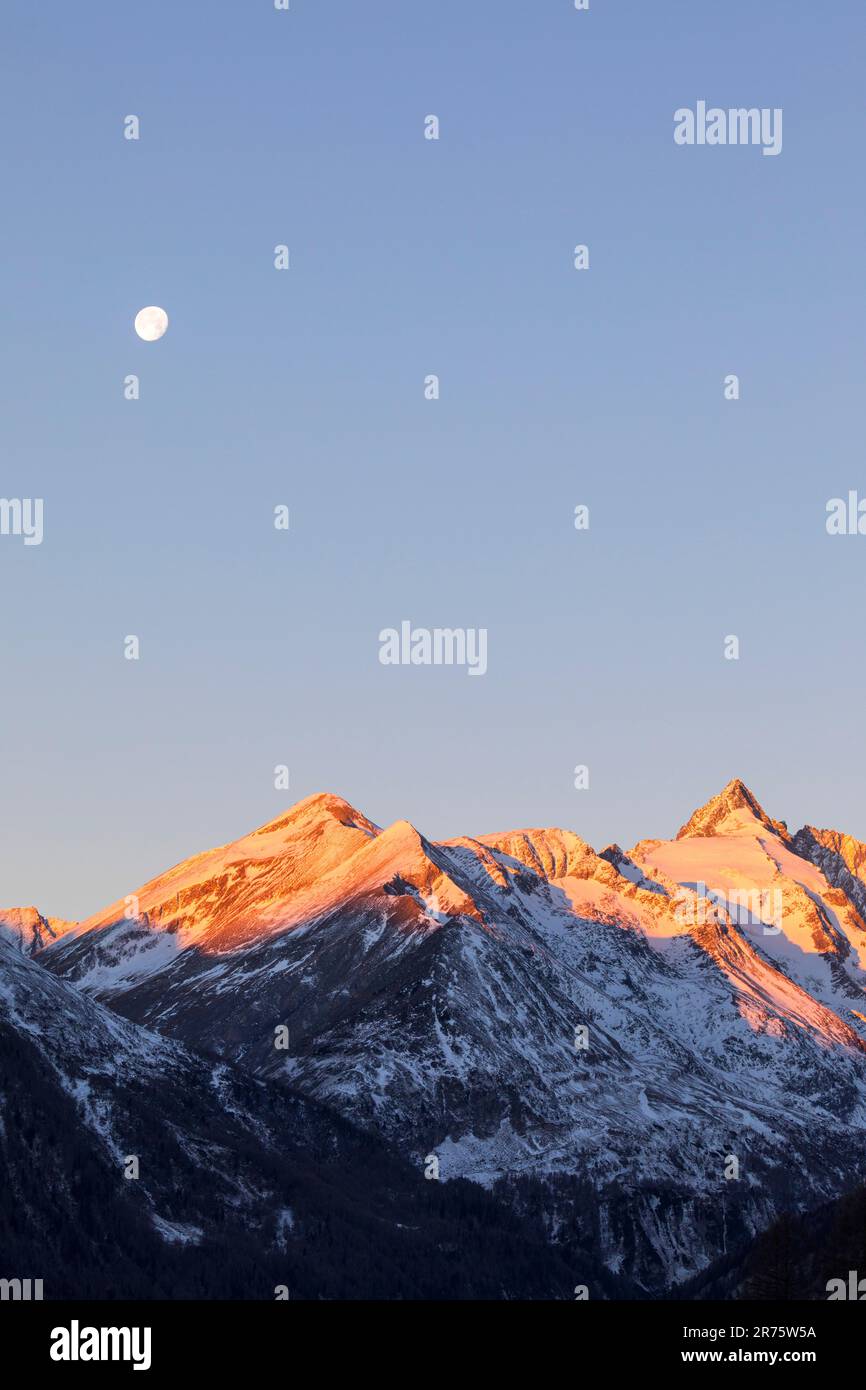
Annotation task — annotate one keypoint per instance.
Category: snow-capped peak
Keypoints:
(26, 928)
(319, 808)
(734, 811)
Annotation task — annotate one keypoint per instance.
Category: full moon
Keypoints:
(151, 323)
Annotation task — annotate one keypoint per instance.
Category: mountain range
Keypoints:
(638, 1060)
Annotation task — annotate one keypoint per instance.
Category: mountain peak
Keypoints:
(734, 811)
(321, 806)
(29, 930)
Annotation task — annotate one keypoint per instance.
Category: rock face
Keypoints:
(734, 811)
(27, 929)
(665, 1047)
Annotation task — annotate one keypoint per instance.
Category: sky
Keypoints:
(305, 388)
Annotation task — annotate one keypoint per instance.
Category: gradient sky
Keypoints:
(306, 387)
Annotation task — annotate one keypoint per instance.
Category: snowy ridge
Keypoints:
(437, 993)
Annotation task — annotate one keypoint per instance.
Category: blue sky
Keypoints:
(410, 257)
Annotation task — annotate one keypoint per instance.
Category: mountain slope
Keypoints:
(242, 1187)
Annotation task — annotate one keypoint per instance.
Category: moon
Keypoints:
(151, 323)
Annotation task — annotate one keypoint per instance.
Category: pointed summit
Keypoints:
(237, 891)
(320, 808)
(734, 811)
(27, 929)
